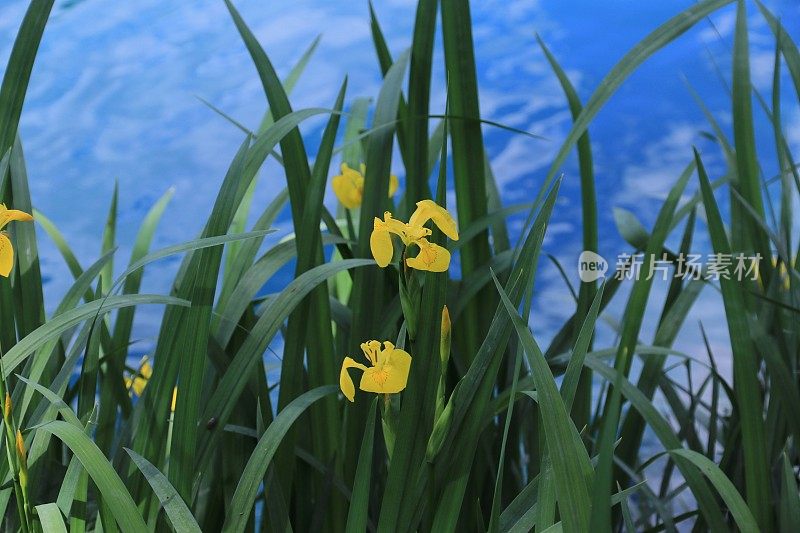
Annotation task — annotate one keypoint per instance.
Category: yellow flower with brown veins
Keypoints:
(431, 257)
(349, 185)
(387, 375)
(6, 248)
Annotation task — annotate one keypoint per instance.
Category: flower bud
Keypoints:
(23, 461)
(444, 343)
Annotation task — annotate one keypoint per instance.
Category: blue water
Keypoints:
(114, 97)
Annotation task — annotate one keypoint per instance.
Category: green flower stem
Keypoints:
(20, 493)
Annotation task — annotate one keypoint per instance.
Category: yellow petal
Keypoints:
(406, 233)
(138, 385)
(431, 257)
(138, 381)
(146, 369)
(7, 215)
(412, 234)
(380, 242)
(430, 210)
(394, 183)
(348, 187)
(174, 399)
(6, 255)
(345, 381)
(383, 354)
(389, 377)
(372, 350)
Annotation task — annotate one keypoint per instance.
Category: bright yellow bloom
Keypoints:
(349, 186)
(387, 375)
(137, 382)
(6, 249)
(431, 257)
(430, 210)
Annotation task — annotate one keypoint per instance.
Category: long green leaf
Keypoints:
(18, 70)
(66, 320)
(105, 478)
(178, 513)
(736, 505)
(50, 518)
(745, 368)
(569, 458)
(358, 516)
(245, 496)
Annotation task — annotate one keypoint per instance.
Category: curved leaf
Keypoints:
(178, 513)
(62, 322)
(253, 476)
(102, 473)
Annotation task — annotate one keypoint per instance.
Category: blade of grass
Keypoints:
(790, 497)
(12, 97)
(587, 291)
(28, 287)
(245, 496)
(419, 90)
(36, 339)
(180, 517)
(663, 431)
(358, 516)
(237, 266)
(631, 325)
(141, 246)
(193, 331)
(748, 181)
(674, 313)
(569, 459)
(102, 474)
(736, 505)
(18, 71)
(385, 61)
(50, 518)
(745, 369)
(468, 162)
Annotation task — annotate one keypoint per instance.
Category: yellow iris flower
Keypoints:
(349, 185)
(387, 375)
(431, 257)
(136, 383)
(6, 248)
